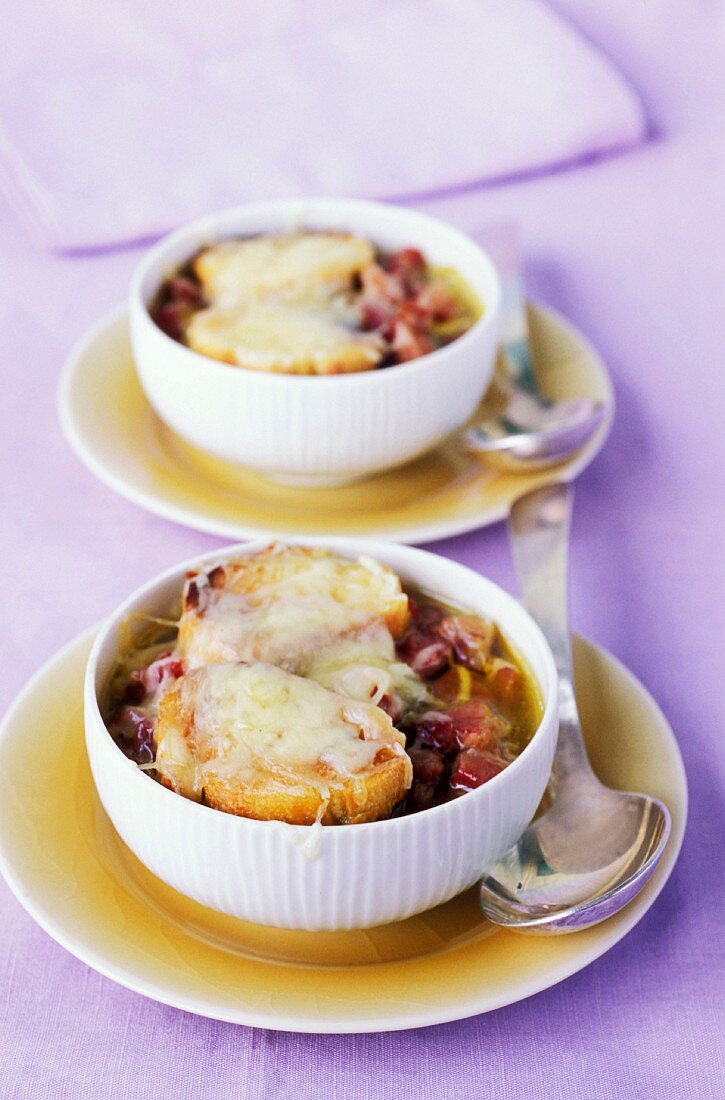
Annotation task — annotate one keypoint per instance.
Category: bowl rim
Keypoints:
(156, 253)
(368, 548)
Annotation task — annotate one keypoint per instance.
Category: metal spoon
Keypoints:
(529, 432)
(594, 848)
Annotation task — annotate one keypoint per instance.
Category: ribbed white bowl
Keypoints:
(361, 875)
(317, 430)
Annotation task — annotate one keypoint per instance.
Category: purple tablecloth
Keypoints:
(632, 250)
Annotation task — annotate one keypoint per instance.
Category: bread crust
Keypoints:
(366, 797)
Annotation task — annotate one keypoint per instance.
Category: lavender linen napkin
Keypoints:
(117, 122)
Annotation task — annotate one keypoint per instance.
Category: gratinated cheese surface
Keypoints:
(281, 339)
(286, 605)
(294, 267)
(259, 741)
(365, 666)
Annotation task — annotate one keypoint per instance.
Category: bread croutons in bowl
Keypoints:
(333, 734)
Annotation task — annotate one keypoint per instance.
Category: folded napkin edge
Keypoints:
(46, 238)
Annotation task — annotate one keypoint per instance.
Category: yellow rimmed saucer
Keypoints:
(112, 428)
(65, 863)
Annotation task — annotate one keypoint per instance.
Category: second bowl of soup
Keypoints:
(316, 340)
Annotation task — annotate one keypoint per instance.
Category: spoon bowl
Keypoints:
(592, 850)
(552, 881)
(531, 434)
(528, 432)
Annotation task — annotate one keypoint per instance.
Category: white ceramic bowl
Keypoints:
(361, 875)
(328, 429)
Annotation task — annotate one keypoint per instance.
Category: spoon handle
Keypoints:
(503, 244)
(539, 533)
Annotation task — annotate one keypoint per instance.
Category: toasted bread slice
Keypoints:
(281, 339)
(283, 605)
(259, 742)
(294, 267)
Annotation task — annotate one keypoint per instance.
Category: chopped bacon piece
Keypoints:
(471, 637)
(183, 289)
(180, 298)
(393, 706)
(374, 314)
(469, 725)
(424, 614)
(172, 317)
(134, 691)
(408, 264)
(473, 768)
(437, 300)
(477, 724)
(453, 686)
(166, 667)
(425, 653)
(435, 729)
(410, 344)
(413, 314)
(379, 285)
(428, 771)
(506, 680)
(137, 733)
(428, 765)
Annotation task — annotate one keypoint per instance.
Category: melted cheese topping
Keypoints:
(282, 339)
(252, 724)
(366, 667)
(296, 267)
(286, 606)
